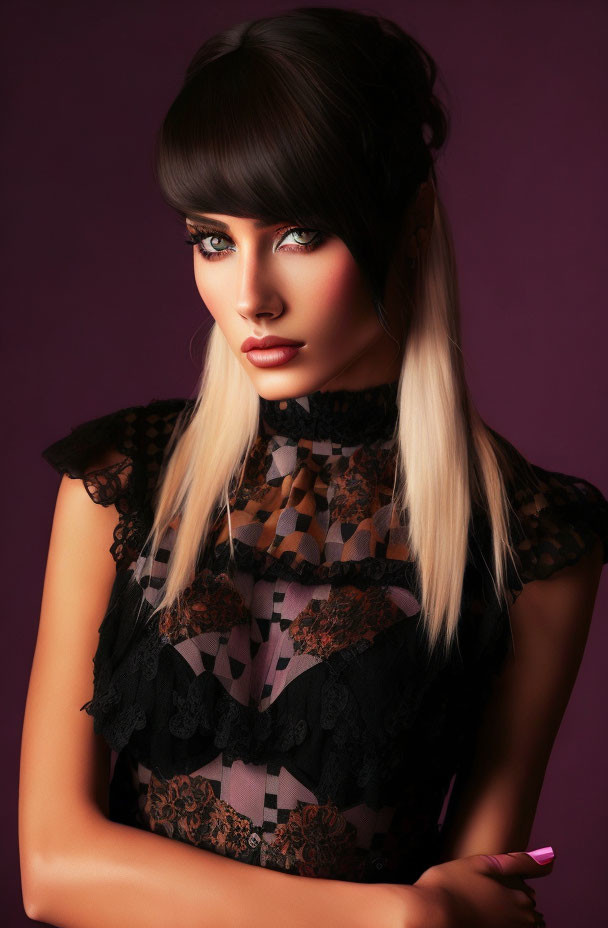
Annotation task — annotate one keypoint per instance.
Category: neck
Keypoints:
(339, 416)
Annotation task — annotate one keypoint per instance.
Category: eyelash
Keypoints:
(200, 234)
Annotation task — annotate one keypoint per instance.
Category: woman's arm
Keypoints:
(78, 868)
(493, 804)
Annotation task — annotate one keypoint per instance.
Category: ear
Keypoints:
(419, 220)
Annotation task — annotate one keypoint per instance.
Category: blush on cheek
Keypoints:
(346, 284)
(342, 284)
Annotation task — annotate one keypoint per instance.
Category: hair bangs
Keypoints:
(329, 118)
(250, 140)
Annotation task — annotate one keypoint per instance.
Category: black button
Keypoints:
(300, 731)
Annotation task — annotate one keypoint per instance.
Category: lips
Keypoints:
(269, 341)
(272, 357)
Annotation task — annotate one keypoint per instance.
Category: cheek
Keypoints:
(328, 286)
(212, 291)
(204, 286)
(343, 284)
(338, 295)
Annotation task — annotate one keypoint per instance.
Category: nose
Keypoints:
(257, 294)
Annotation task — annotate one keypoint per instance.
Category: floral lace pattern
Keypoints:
(297, 669)
(555, 518)
(138, 433)
(317, 840)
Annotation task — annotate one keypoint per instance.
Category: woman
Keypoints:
(326, 584)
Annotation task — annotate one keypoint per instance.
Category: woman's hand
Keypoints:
(481, 891)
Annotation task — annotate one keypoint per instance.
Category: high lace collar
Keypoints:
(348, 417)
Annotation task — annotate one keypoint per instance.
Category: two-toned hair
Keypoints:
(329, 116)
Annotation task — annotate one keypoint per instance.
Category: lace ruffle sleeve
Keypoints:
(555, 518)
(118, 457)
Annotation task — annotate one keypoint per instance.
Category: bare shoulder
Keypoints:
(550, 622)
(561, 604)
(82, 532)
(494, 800)
(64, 765)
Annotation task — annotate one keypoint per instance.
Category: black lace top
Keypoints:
(287, 716)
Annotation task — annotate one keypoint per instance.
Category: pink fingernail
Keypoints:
(543, 855)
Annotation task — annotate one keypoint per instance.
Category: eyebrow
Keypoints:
(258, 224)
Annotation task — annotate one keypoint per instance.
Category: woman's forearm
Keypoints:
(108, 875)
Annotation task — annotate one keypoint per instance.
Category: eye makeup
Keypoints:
(201, 233)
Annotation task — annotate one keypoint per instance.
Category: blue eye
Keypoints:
(306, 232)
(201, 234)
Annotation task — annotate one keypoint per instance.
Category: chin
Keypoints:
(274, 385)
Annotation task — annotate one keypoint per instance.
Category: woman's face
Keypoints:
(259, 281)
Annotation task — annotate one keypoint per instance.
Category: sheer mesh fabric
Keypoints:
(285, 715)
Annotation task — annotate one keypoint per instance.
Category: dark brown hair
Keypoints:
(327, 118)
(320, 116)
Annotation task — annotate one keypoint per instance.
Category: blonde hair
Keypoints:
(446, 456)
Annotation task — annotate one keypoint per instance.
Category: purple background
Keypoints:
(101, 309)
